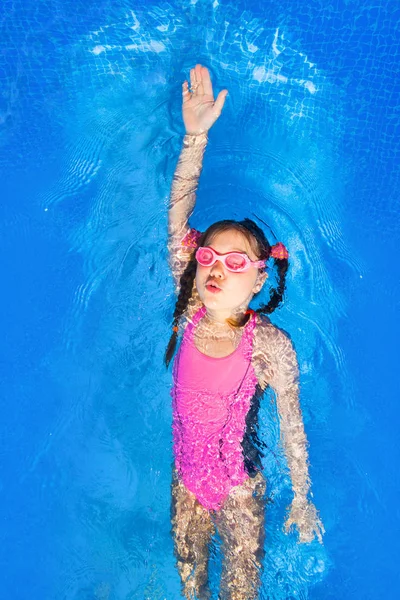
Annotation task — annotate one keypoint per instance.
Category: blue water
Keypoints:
(90, 132)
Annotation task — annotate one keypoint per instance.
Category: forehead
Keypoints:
(227, 241)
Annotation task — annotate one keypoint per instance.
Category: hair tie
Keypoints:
(176, 329)
(279, 251)
(191, 239)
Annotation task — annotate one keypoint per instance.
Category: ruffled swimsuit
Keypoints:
(211, 399)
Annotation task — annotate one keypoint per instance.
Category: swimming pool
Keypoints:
(90, 134)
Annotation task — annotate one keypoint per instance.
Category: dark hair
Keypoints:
(261, 247)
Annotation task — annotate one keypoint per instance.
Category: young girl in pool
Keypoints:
(228, 356)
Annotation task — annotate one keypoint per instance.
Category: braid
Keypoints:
(282, 265)
(276, 295)
(185, 293)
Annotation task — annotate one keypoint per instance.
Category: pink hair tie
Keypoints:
(191, 239)
(279, 251)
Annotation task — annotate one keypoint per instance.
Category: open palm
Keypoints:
(199, 109)
(304, 515)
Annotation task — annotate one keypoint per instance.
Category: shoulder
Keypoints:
(182, 243)
(273, 350)
(267, 335)
(274, 356)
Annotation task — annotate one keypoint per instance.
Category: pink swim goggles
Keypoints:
(237, 262)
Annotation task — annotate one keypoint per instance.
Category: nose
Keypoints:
(217, 270)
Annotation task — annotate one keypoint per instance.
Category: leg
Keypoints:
(241, 523)
(192, 530)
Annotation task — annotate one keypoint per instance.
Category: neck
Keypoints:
(220, 316)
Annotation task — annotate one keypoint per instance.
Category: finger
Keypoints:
(207, 85)
(319, 536)
(288, 525)
(320, 532)
(199, 79)
(220, 101)
(192, 78)
(306, 536)
(185, 92)
(198, 69)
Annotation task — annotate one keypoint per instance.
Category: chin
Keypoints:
(211, 302)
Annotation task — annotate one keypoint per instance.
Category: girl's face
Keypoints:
(235, 289)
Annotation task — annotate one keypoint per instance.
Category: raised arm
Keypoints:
(199, 111)
(182, 201)
(185, 182)
(283, 376)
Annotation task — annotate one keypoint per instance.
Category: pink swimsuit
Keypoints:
(211, 399)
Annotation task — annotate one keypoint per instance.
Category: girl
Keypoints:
(228, 356)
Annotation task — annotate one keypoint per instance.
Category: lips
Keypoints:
(212, 287)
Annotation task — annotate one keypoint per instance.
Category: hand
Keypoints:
(305, 516)
(198, 107)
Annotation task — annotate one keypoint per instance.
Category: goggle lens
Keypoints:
(205, 256)
(235, 262)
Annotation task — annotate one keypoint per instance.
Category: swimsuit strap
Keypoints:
(199, 315)
(195, 319)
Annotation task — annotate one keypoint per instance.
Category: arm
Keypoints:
(185, 182)
(285, 382)
(200, 112)
(282, 373)
(182, 200)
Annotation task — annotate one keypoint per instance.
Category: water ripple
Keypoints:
(273, 156)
